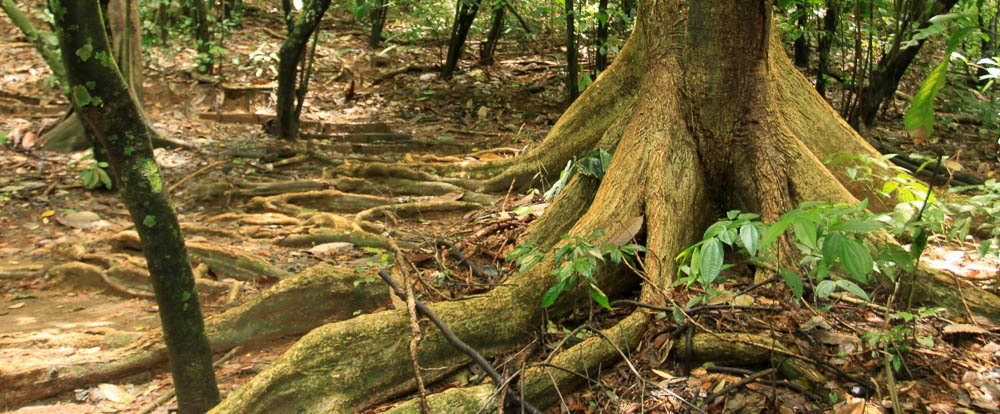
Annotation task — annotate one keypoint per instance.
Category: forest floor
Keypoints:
(228, 186)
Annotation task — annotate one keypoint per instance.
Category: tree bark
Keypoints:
(465, 14)
(290, 56)
(111, 112)
(884, 79)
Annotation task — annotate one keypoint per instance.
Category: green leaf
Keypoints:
(750, 236)
(805, 232)
(712, 258)
(856, 259)
(793, 280)
(984, 247)
(594, 163)
(599, 297)
(833, 247)
(825, 288)
(860, 226)
(775, 230)
(552, 294)
(919, 119)
(852, 287)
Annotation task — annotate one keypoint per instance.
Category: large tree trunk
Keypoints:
(884, 79)
(289, 57)
(703, 113)
(112, 114)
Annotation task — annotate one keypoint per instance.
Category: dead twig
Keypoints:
(416, 336)
(459, 344)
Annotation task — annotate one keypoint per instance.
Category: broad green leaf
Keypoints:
(825, 288)
(712, 258)
(775, 230)
(856, 259)
(853, 288)
(552, 294)
(793, 280)
(860, 226)
(919, 119)
(750, 236)
(833, 247)
(715, 228)
(805, 232)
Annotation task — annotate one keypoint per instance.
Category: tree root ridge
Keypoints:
(293, 306)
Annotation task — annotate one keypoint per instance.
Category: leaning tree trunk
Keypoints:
(111, 112)
(465, 14)
(884, 79)
(496, 30)
(703, 113)
(126, 37)
(289, 57)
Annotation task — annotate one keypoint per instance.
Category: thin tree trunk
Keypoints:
(286, 8)
(884, 79)
(603, 17)
(801, 46)
(112, 113)
(202, 36)
(572, 89)
(496, 30)
(289, 57)
(825, 43)
(380, 10)
(465, 14)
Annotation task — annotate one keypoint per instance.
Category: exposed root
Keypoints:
(121, 275)
(326, 200)
(222, 261)
(416, 209)
(543, 385)
(264, 219)
(352, 364)
(318, 295)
